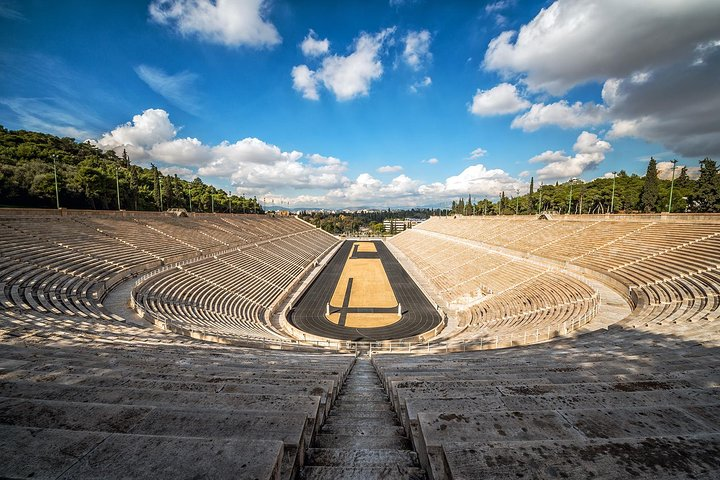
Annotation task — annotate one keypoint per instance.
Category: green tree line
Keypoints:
(90, 178)
(622, 194)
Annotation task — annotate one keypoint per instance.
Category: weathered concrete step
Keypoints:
(392, 472)
(48, 453)
(363, 456)
(362, 407)
(388, 416)
(342, 420)
(363, 430)
(323, 440)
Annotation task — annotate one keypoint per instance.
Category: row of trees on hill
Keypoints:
(632, 194)
(90, 178)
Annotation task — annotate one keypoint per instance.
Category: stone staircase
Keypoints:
(362, 437)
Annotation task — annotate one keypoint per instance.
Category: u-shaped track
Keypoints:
(419, 315)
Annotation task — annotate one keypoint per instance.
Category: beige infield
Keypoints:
(370, 288)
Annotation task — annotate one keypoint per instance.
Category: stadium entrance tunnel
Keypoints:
(364, 294)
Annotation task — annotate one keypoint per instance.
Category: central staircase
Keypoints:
(362, 438)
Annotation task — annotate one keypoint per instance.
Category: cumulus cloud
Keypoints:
(499, 100)
(256, 167)
(417, 49)
(305, 82)
(561, 114)
(664, 170)
(589, 153)
(312, 47)
(431, 161)
(249, 163)
(475, 179)
(182, 172)
(568, 43)
(226, 22)
(151, 127)
(477, 153)
(177, 89)
(349, 76)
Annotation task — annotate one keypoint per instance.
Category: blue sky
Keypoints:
(370, 103)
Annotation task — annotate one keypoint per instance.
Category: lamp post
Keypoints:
(540, 199)
(57, 193)
(672, 183)
(570, 198)
(212, 202)
(230, 201)
(517, 201)
(612, 199)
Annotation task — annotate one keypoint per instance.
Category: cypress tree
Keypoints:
(708, 187)
(531, 201)
(649, 195)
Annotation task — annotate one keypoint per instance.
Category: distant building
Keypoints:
(397, 225)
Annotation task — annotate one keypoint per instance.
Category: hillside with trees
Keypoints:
(90, 178)
(629, 194)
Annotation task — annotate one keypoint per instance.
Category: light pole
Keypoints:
(212, 203)
(190, 197)
(672, 183)
(570, 198)
(230, 201)
(57, 194)
(612, 199)
(540, 199)
(517, 201)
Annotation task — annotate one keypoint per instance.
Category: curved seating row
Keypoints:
(229, 294)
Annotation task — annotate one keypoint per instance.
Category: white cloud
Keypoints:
(431, 161)
(589, 153)
(561, 114)
(499, 100)
(255, 167)
(424, 83)
(182, 172)
(226, 22)
(181, 151)
(178, 88)
(249, 163)
(304, 81)
(476, 180)
(664, 170)
(417, 49)
(390, 169)
(575, 41)
(151, 127)
(347, 77)
(312, 47)
(477, 153)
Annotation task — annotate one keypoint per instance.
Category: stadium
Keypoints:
(492, 347)
(360, 240)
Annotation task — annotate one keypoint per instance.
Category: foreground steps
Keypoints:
(362, 437)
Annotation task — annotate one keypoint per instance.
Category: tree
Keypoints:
(531, 200)
(683, 180)
(649, 195)
(707, 198)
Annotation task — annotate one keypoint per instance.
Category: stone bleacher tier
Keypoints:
(639, 399)
(85, 393)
